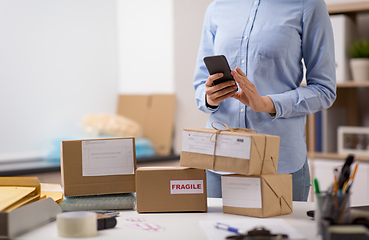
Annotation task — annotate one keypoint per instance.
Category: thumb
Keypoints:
(236, 95)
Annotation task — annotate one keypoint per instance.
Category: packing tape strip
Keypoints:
(77, 224)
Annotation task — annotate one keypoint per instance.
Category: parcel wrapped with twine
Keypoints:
(236, 150)
(257, 196)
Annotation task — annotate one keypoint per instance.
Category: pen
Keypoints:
(316, 185)
(228, 228)
(345, 172)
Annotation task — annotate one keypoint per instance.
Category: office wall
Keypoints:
(145, 46)
(189, 16)
(62, 59)
(58, 62)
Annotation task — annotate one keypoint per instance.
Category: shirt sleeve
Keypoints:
(205, 49)
(318, 54)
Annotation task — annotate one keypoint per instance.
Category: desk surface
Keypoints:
(180, 225)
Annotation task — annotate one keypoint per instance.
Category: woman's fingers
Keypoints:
(243, 81)
(239, 71)
(210, 81)
(217, 93)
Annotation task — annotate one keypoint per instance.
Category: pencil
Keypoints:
(354, 173)
(351, 180)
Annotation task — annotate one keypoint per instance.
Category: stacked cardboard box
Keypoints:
(255, 188)
(95, 167)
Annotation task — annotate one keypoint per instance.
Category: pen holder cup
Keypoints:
(330, 210)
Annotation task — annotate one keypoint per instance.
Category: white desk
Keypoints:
(180, 225)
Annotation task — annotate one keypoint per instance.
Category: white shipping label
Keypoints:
(187, 186)
(242, 192)
(198, 142)
(227, 145)
(107, 157)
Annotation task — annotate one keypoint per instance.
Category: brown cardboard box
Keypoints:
(257, 196)
(155, 113)
(241, 152)
(171, 189)
(98, 166)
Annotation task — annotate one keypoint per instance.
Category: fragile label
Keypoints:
(226, 145)
(186, 186)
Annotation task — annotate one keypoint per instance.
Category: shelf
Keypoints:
(352, 84)
(335, 156)
(352, 7)
(42, 166)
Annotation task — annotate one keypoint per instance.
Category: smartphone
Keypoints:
(219, 64)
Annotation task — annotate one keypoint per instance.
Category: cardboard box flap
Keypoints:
(258, 144)
(271, 154)
(285, 206)
(279, 197)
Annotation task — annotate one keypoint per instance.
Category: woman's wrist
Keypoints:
(208, 105)
(269, 105)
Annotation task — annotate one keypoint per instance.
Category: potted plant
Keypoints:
(359, 62)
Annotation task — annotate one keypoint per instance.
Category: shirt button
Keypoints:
(243, 61)
(245, 37)
(250, 18)
(255, 2)
(241, 109)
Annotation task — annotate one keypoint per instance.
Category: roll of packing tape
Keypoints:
(77, 224)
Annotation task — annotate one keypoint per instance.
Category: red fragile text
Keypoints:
(186, 186)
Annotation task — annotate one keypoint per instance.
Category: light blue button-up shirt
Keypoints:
(267, 39)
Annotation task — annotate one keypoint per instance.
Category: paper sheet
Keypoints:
(227, 145)
(107, 157)
(242, 192)
(53, 191)
(273, 225)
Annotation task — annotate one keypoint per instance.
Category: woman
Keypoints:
(264, 42)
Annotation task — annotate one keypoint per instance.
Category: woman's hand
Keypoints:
(249, 96)
(217, 93)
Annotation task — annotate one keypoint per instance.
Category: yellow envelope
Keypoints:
(13, 197)
(20, 182)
